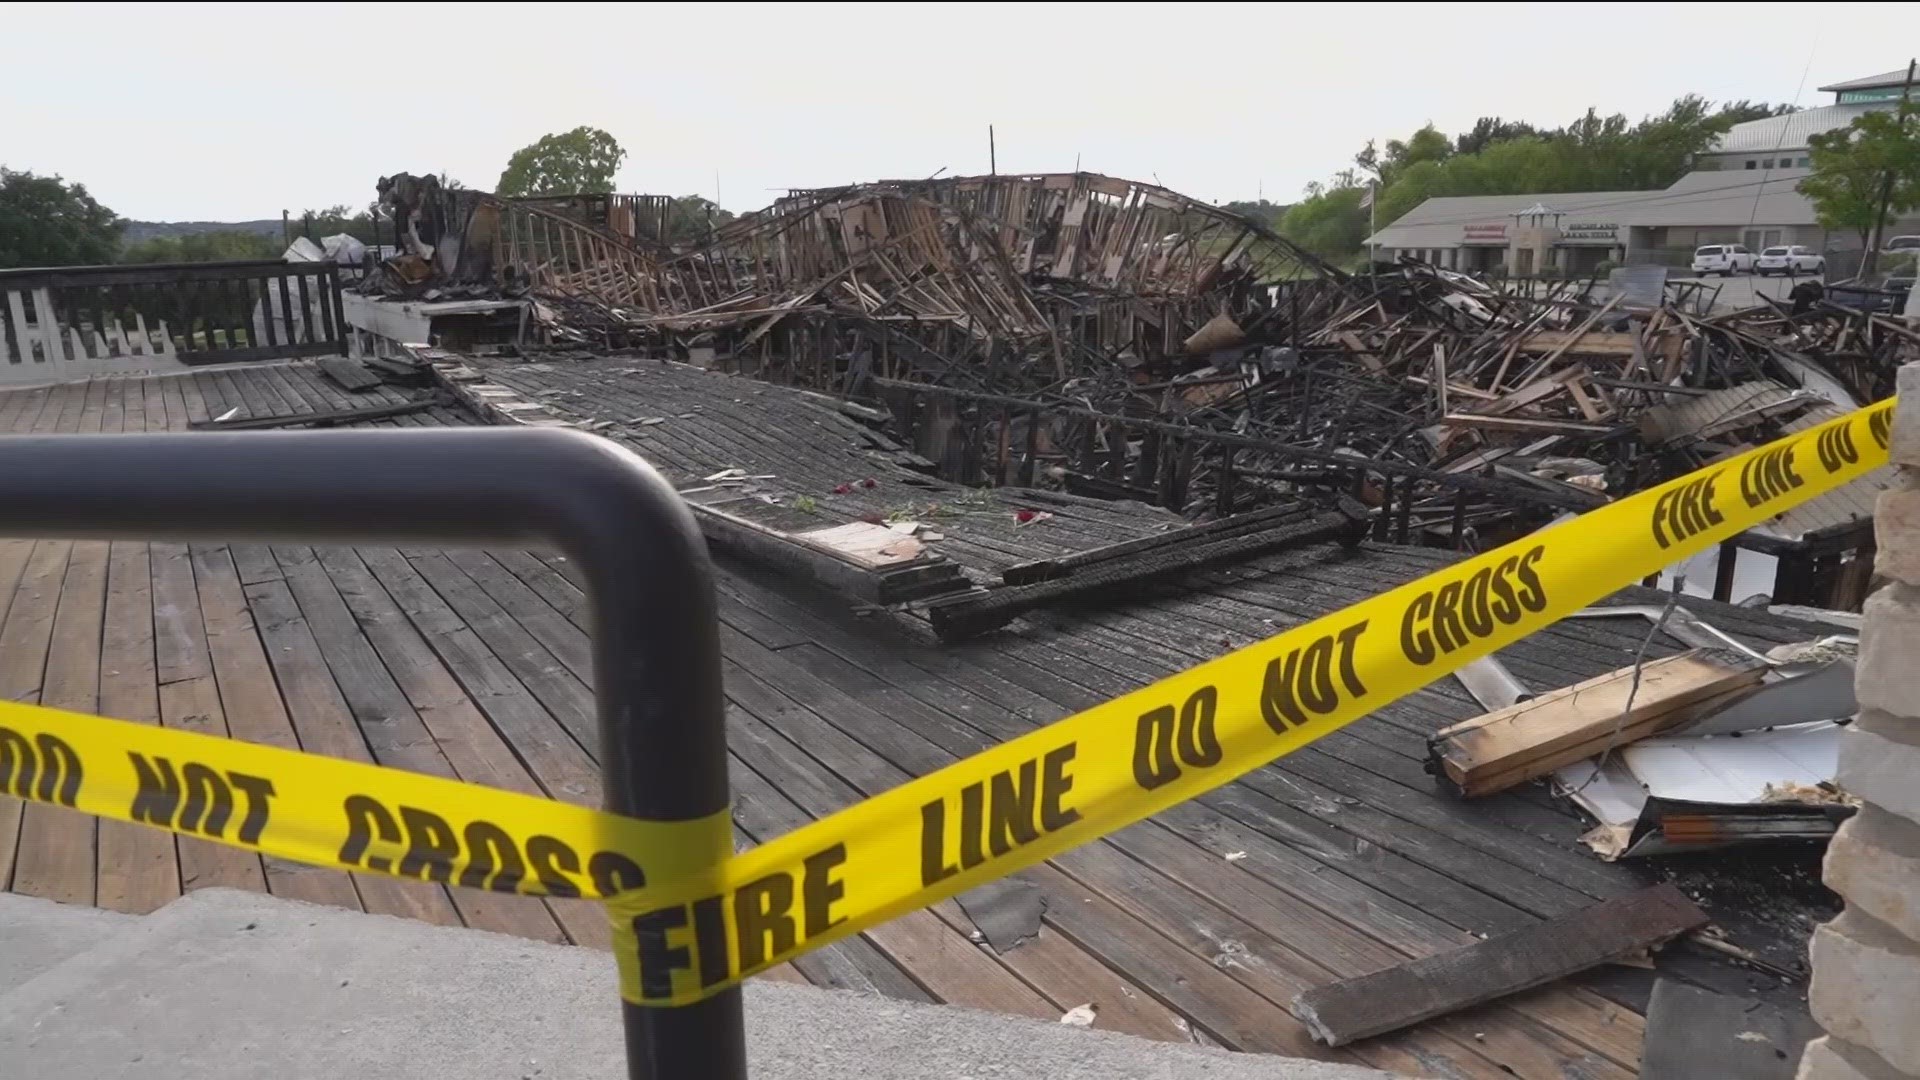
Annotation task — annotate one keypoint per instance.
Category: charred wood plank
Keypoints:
(1276, 448)
(326, 419)
(349, 374)
(978, 612)
(1487, 970)
(1027, 573)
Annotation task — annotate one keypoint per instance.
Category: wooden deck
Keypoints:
(476, 665)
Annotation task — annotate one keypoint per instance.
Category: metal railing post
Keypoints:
(656, 641)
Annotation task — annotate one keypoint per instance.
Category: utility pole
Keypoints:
(1373, 197)
(1886, 189)
(993, 158)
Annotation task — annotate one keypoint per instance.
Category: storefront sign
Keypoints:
(1484, 234)
(1587, 232)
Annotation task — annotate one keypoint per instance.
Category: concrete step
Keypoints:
(224, 984)
(37, 935)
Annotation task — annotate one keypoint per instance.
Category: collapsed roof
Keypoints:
(1075, 267)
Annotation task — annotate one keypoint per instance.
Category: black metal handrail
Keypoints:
(656, 652)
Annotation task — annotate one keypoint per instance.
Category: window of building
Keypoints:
(1878, 93)
(1806, 162)
(1767, 164)
(1752, 164)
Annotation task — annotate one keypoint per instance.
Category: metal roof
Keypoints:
(1790, 132)
(1739, 197)
(1896, 77)
(1719, 411)
(1439, 221)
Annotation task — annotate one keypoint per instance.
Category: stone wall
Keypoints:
(1866, 963)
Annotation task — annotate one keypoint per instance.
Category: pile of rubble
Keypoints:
(967, 279)
(1121, 340)
(1563, 392)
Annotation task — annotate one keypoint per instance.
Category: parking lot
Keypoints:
(1742, 290)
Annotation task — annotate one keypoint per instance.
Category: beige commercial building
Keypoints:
(1573, 232)
(1744, 190)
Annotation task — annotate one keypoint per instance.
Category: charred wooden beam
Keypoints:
(1517, 492)
(326, 419)
(1027, 573)
(978, 612)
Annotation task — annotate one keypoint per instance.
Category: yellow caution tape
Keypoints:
(685, 928)
(335, 813)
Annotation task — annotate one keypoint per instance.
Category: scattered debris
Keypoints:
(1491, 684)
(1006, 912)
(1827, 650)
(1789, 693)
(1487, 970)
(1130, 563)
(1119, 340)
(1759, 769)
(1080, 1015)
(1691, 793)
(1500, 749)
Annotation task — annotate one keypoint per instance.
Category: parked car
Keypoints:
(1726, 259)
(1903, 243)
(1900, 282)
(1791, 261)
(1890, 295)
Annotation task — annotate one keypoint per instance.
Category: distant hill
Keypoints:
(137, 231)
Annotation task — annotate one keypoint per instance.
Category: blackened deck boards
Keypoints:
(1449, 981)
(1693, 1032)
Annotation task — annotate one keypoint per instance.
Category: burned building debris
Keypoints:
(1117, 340)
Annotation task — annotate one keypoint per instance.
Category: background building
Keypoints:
(1744, 191)
(1780, 142)
(1573, 232)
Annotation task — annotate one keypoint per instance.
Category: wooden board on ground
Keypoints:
(866, 561)
(350, 374)
(873, 546)
(1509, 746)
(1484, 971)
(1591, 343)
(1525, 425)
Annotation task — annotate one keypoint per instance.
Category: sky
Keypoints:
(181, 111)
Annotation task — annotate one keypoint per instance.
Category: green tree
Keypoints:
(45, 221)
(581, 161)
(1489, 130)
(218, 246)
(1427, 144)
(1499, 157)
(316, 225)
(1853, 166)
(1260, 210)
(693, 218)
(1332, 224)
